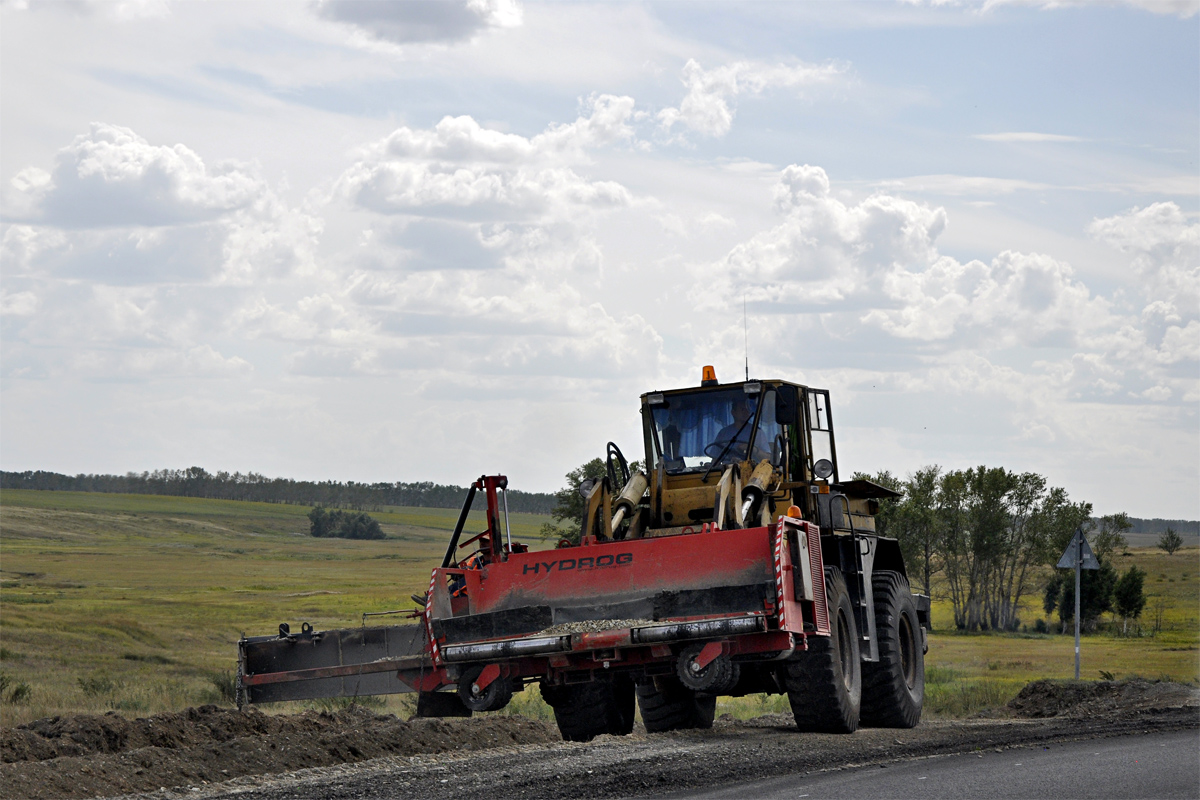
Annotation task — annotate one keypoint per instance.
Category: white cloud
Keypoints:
(962, 185)
(463, 140)
(461, 169)
(1180, 8)
(1187, 185)
(117, 209)
(111, 176)
(18, 304)
(201, 361)
(1027, 136)
(706, 107)
(414, 21)
(117, 9)
(1018, 298)
(856, 296)
(877, 260)
(1180, 344)
(1166, 251)
(825, 251)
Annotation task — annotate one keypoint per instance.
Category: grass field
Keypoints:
(135, 603)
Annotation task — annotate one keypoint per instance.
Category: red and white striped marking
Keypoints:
(435, 651)
(780, 605)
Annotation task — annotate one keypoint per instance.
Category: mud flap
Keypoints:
(441, 704)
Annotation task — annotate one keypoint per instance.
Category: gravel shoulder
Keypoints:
(357, 754)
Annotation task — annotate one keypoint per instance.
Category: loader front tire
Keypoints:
(824, 684)
(668, 705)
(894, 687)
(584, 711)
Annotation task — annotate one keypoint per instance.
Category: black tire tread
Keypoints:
(674, 707)
(812, 680)
(587, 710)
(886, 701)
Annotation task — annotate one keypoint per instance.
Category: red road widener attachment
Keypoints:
(560, 615)
(780, 585)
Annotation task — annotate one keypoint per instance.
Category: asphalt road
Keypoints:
(1153, 765)
(1132, 753)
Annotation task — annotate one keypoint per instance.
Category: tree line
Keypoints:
(251, 486)
(983, 537)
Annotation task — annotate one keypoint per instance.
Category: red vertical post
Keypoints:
(490, 484)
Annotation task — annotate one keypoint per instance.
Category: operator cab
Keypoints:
(694, 435)
(699, 430)
(694, 431)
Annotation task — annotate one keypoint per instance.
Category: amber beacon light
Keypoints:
(708, 377)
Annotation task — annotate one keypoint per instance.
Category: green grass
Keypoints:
(141, 600)
(969, 672)
(151, 593)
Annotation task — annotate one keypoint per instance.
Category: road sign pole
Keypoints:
(1080, 556)
(1079, 564)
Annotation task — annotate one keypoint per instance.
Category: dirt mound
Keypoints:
(1051, 698)
(87, 755)
(86, 734)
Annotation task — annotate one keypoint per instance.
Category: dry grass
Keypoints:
(145, 597)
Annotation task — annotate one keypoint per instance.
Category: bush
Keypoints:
(132, 704)
(343, 524)
(97, 685)
(334, 704)
(14, 691)
(225, 684)
(1170, 541)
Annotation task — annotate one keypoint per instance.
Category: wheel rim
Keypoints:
(908, 652)
(845, 651)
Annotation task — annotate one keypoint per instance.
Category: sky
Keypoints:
(357, 240)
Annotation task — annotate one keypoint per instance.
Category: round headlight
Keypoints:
(823, 468)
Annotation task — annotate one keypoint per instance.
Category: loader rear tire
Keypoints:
(824, 684)
(894, 687)
(668, 705)
(584, 711)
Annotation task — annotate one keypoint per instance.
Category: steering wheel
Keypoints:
(736, 452)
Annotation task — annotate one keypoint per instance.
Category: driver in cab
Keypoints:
(738, 432)
(734, 439)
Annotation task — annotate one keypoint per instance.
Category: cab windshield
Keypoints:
(693, 430)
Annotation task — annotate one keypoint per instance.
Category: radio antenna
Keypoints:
(746, 336)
